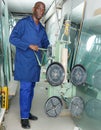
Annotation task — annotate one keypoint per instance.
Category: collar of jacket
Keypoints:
(31, 19)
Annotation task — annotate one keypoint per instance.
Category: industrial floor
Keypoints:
(12, 120)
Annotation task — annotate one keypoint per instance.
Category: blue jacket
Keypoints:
(26, 32)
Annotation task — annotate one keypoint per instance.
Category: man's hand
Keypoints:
(34, 47)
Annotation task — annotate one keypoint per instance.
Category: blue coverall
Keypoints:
(27, 69)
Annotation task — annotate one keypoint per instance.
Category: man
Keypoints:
(28, 36)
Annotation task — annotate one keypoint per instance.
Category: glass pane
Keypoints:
(89, 55)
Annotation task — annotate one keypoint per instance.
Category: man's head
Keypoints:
(38, 10)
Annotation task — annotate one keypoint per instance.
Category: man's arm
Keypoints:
(16, 34)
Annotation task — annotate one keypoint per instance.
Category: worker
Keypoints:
(28, 36)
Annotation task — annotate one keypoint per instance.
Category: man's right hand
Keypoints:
(34, 47)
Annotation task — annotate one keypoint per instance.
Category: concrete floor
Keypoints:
(12, 120)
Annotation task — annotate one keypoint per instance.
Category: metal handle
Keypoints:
(42, 49)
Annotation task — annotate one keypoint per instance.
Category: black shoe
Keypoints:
(25, 123)
(32, 117)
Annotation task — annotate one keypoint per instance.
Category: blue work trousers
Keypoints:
(26, 96)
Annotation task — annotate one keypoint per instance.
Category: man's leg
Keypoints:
(31, 95)
(25, 97)
(32, 117)
(25, 92)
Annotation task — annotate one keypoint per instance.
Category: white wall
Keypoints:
(91, 6)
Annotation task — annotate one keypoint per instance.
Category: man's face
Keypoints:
(39, 10)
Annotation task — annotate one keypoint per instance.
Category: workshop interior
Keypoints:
(70, 66)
